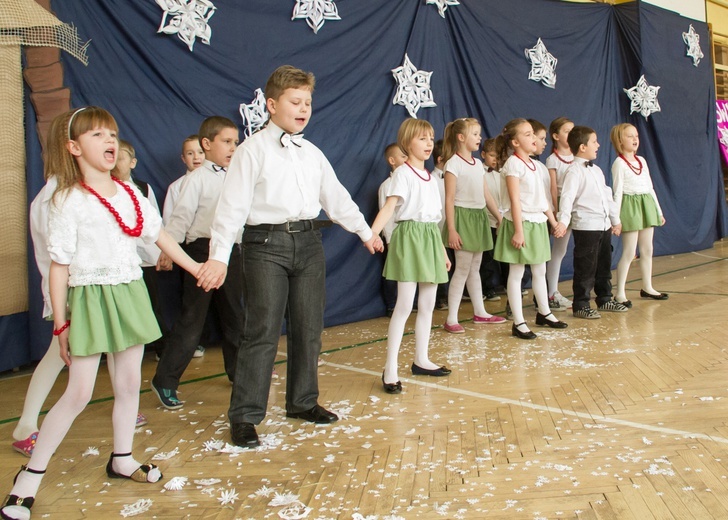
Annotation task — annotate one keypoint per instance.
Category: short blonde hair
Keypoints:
(285, 77)
(615, 135)
(128, 148)
(411, 128)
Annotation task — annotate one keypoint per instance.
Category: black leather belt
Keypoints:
(292, 226)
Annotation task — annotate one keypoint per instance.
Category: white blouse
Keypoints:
(531, 189)
(469, 191)
(419, 199)
(626, 182)
(560, 165)
(84, 235)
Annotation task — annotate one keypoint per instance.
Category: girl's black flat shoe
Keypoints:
(392, 388)
(522, 335)
(541, 320)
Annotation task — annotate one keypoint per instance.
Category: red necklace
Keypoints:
(531, 166)
(638, 170)
(137, 231)
(561, 158)
(464, 159)
(429, 175)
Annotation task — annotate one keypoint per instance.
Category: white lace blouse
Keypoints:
(83, 234)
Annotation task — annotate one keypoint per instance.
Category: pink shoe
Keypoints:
(489, 319)
(141, 420)
(26, 446)
(453, 329)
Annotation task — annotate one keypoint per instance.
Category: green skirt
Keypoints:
(536, 251)
(415, 254)
(639, 212)
(110, 318)
(473, 226)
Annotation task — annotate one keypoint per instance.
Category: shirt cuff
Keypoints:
(219, 252)
(365, 234)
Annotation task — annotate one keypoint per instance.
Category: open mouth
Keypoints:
(110, 154)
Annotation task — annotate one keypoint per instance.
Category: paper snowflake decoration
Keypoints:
(294, 511)
(413, 87)
(723, 136)
(442, 5)
(643, 98)
(228, 496)
(166, 455)
(315, 12)
(91, 451)
(543, 65)
(188, 19)
(692, 40)
(255, 114)
(175, 483)
(137, 508)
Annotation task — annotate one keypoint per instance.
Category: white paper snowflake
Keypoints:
(166, 455)
(255, 114)
(442, 5)
(213, 445)
(543, 65)
(188, 20)
(140, 506)
(315, 12)
(265, 491)
(228, 496)
(413, 87)
(283, 499)
(643, 98)
(176, 483)
(692, 40)
(91, 451)
(294, 511)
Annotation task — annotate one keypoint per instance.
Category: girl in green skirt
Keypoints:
(467, 228)
(416, 256)
(640, 211)
(95, 280)
(523, 237)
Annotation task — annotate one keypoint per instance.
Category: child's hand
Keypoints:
(454, 241)
(559, 230)
(65, 349)
(517, 240)
(374, 244)
(617, 230)
(211, 275)
(662, 221)
(448, 263)
(164, 263)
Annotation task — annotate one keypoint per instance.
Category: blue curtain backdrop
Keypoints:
(159, 92)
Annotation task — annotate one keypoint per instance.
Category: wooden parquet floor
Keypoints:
(619, 418)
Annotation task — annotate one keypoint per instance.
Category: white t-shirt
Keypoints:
(84, 235)
(388, 228)
(532, 196)
(171, 198)
(546, 179)
(469, 192)
(419, 197)
(560, 163)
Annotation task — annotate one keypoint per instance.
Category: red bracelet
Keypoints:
(58, 332)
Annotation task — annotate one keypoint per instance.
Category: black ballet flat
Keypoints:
(658, 296)
(522, 335)
(436, 372)
(392, 388)
(141, 474)
(15, 500)
(543, 322)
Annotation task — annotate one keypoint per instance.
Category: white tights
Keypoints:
(630, 241)
(125, 381)
(538, 283)
(467, 273)
(553, 268)
(423, 324)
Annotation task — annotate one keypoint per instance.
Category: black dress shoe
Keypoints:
(522, 335)
(436, 372)
(244, 435)
(317, 414)
(392, 388)
(542, 321)
(658, 296)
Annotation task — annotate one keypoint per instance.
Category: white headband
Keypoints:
(70, 121)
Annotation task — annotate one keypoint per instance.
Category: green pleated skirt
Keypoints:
(415, 254)
(110, 318)
(536, 251)
(639, 212)
(473, 226)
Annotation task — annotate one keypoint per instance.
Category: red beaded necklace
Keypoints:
(429, 175)
(464, 159)
(561, 158)
(531, 166)
(137, 231)
(638, 170)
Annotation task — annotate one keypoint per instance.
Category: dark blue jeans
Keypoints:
(592, 267)
(283, 276)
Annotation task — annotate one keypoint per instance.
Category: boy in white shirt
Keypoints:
(192, 156)
(587, 204)
(277, 185)
(190, 224)
(395, 158)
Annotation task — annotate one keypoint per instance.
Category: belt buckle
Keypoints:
(288, 226)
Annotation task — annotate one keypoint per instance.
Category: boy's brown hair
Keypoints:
(578, 136)
(128, 148)
(287, 76)
(212, 126)
(489, 145)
